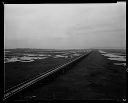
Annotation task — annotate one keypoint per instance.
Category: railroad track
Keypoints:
(12, 91)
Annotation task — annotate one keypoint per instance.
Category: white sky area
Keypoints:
(65, 26)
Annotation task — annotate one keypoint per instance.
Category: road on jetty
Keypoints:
(94, 77)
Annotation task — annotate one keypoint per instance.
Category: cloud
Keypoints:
(64, 25)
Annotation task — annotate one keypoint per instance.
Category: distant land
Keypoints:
(73, 48)
(108, 48)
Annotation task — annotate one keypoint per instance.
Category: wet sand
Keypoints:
(18, 72)
(95, 77)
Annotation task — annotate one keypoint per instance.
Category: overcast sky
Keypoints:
(64, 26)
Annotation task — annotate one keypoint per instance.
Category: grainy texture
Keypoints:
(95, 77)
(18, 72)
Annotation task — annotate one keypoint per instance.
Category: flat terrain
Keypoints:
(95, 77)
(17, 72)
(121, 51)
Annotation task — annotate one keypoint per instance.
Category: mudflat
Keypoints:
(95, 77)
(18, 71)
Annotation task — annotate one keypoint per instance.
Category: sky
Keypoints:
(65, 26)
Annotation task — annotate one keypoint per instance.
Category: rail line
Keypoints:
(10, 92)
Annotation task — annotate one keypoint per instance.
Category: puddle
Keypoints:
(59, 52)
(22, 59)
(76, 54)
(112, 55)
(101, 51)
(124, 64)
(57, 56)
(115, 56)
(31, 55)
(14, 59)
(26, 60)
(6, 51)
(118, 59)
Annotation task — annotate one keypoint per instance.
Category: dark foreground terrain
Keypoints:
(95, 77)
(18, 72)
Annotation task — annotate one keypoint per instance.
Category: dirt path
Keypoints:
(95, 77)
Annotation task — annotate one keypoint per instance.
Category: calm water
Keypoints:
(115, 56)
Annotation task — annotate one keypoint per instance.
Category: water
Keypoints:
(116, 57)
(22, 59)
(124, 64)
(57, 56)
(36, 55)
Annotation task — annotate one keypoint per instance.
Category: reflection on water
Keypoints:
(14, 59)
(101, 51)
(120, 64)
(26, 60)
(36, 55)
(57, 56)
(6, 51)
(22, 59)
(76, 54)
(116, 57)
(29, 57)
(66, 55)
